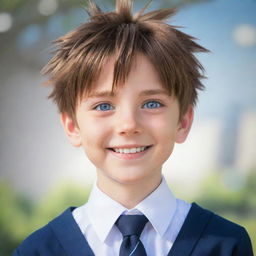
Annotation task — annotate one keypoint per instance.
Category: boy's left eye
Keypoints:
(152, 104)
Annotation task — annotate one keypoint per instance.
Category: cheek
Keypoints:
(92, 130)
(164, 129)
(94, 139)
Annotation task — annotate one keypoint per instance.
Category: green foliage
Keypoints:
(13, 5)
(219, 196)
(10, 5)
(237, 205)
(20, 216)
(57, 201)
(15, 211)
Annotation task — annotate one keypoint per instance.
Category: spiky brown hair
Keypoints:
(82, 52)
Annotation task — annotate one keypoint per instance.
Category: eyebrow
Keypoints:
(101, 94)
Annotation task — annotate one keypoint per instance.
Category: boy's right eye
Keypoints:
(104, 107)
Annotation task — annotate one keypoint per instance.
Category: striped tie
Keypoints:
(131, 227)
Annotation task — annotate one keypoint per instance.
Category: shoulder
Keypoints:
(43, 241)
(219, 225)
(36, 241)
(221, 231)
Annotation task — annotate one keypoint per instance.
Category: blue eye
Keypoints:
(152, 104)
(104, 107)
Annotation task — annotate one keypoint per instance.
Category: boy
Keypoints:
(126, 87)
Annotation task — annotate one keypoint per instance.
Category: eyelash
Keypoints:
(105, 103)
(154, 101)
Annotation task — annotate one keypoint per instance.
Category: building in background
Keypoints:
(246, 142)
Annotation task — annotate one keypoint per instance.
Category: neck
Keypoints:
(128, 194)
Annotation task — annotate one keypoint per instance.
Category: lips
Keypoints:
(130, 152)
(129, 149)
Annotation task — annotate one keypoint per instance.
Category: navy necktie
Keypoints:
(131, 227)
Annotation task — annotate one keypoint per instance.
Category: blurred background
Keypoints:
(41, 173)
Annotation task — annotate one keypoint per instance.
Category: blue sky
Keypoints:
(231, 68)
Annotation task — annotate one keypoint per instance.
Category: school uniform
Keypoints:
(174, 228)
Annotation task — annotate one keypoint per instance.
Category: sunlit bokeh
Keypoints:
(5, 22)
(47, 7)
(245, 35)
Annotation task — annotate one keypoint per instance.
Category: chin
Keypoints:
(130, 179)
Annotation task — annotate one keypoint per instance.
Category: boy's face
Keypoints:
(130, 135)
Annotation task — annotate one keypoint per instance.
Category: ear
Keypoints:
(185, 125)
(71, 129)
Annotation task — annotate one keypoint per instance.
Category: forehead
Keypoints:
(142, 76)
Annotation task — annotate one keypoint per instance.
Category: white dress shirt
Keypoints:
(166, 214)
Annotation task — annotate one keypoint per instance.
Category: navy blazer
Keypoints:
(202, 234)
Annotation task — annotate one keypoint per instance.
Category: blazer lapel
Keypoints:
(69, 235)
(191, 231)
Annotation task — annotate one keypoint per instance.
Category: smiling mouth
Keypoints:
(130, 150)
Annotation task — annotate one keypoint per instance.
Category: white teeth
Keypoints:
(129, 150)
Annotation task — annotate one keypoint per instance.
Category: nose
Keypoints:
(128, 122)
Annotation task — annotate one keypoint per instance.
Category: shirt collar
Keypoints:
(103, 211)
(159, 207)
